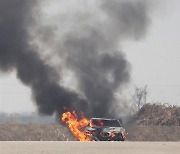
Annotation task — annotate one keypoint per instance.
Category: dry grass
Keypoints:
(153, 133)
(156, 114)
(152, 123)
(34, 132)
(155, 122)
(52, 132)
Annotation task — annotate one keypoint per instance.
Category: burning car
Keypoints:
(100, 129)
(94, 129)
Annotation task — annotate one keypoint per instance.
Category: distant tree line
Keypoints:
(26, 118)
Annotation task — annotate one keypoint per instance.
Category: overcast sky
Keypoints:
(155, 62)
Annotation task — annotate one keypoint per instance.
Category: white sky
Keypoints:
(155, 62)
(156, 59)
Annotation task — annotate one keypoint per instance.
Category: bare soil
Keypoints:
(89, 147)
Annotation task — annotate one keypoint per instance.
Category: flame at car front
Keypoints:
(76, 125)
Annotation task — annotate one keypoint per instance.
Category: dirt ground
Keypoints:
(89, 147)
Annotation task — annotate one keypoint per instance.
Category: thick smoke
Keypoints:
(16, 53)
(92, 51)
(89, 50)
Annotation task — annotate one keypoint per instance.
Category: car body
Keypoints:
(101, 129)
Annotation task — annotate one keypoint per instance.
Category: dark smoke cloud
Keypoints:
(99, 74)
(90, 50)
(16, 53)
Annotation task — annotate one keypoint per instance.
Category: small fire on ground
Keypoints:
(76, 125)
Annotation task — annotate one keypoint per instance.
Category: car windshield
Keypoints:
(105, 123)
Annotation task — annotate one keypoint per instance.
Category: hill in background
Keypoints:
(26, 118)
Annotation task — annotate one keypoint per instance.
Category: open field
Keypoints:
(89, 147)
(152, 123)
(153, 133)
(58, 132)
(34, 132)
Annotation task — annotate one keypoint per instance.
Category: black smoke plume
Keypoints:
(16, 53)
(90, 50)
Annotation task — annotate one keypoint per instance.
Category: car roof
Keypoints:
(102, 119)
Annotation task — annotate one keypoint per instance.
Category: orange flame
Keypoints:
(99, 123)
(113, 135)
(75, 125)
(125, 135)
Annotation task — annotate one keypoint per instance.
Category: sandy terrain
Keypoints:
(89, 147)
